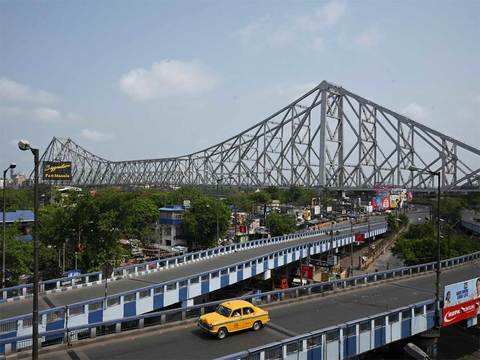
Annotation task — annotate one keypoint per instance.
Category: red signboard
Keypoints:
(360, 238)
(307, 271)
(461, 301)
(459, 312)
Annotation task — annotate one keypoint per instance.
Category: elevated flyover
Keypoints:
(136, 295)
(345, 323)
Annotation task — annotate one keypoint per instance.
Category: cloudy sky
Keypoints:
(140, 79)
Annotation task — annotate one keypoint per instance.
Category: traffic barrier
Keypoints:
(61, 324)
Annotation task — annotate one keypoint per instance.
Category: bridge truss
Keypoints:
(329, 137)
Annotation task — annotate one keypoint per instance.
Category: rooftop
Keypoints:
(18, 215)
(172, 208)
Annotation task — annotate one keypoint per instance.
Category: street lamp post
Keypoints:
(24, 145)
(438, 271)
(4, 246)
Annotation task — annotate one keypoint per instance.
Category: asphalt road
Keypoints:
(287, 320)
(46, 301)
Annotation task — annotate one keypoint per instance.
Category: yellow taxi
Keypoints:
(231, 316)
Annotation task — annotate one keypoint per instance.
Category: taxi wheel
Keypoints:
(222, 333)
(257, 325)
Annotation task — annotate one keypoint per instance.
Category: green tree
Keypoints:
(140, 215)
(280, 224)
(419, 244)
(392, 222)
(200, 221)
(18, 256)
(403, 219)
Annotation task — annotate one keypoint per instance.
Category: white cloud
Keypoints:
(368, 38)
(416, 112)
(327, 15)
(42, 114)
(95, 135)
(46, 114)
(13, 91)
(307, 30)
(167, 78)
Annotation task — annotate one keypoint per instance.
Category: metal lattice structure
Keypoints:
(329, 137)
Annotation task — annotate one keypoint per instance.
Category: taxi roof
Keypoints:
(232, 304)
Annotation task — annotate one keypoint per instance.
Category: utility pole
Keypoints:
(4, 246)
(351, 248)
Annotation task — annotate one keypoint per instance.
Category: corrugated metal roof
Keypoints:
(18, 215)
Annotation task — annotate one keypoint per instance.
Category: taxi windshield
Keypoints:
(222, 310)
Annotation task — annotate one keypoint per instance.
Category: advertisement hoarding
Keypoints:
(461, 301)
(57, 170)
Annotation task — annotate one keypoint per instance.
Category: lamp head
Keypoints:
(413, 168)
(12, 166)
(24, 145)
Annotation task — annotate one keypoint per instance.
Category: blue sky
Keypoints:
(160, 78)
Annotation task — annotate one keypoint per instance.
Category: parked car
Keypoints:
(232, 316)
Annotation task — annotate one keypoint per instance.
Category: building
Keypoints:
(168, 229)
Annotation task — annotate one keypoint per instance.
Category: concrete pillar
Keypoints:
(187, 303)
(93, 332)
(141, 323)
(118, 327)
(267, 274)
(57, 285)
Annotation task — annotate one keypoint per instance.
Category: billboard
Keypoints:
(57, 170)
(461, 301)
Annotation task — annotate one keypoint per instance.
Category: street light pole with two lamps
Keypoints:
(4, 245)
(24, 145)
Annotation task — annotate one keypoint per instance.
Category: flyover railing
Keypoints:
(159, 295)
(69, 331)
(25, 290)
(471, 225)
(349, 339)
(61, 284)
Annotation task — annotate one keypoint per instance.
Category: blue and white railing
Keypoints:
(90, 314)
(22, 291)
(48, 286)
(350, 339)
(157, 296)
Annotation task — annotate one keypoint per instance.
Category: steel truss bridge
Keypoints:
(329, 137)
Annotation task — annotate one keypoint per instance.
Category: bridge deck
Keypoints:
(295, 318)
(21, 307)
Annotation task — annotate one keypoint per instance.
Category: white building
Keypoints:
(168, 229)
